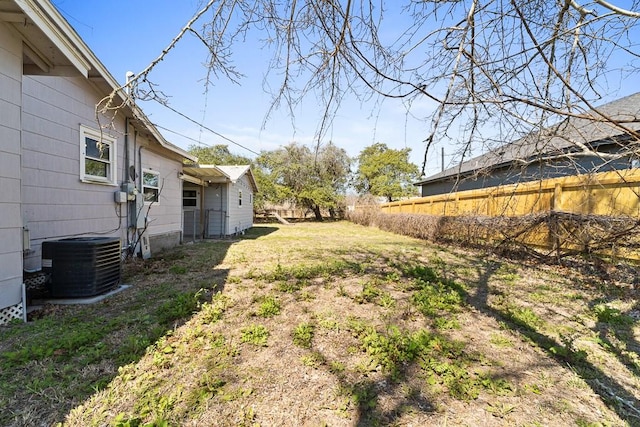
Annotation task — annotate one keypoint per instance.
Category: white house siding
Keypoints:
(240, 217)
(164, 217)
(10, 215)
(56, 204)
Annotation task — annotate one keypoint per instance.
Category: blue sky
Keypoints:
(126, 35)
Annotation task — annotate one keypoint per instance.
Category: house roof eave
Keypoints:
(48, 24)
(221, 173)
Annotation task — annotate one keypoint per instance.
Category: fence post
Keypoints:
(556, 201)
(553, 224)
(490, 205)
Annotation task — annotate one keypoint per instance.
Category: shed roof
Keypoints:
(604, 124)
(221, 173)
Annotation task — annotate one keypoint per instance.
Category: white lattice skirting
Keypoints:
(11, 313)
(17, 311)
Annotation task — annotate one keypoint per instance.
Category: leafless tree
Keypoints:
(494, 70)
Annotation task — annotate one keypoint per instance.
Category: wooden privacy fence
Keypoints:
(584, 213)
(615, 193)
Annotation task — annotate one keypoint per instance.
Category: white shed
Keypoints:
(217, 200)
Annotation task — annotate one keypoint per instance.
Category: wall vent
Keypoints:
(82, 266)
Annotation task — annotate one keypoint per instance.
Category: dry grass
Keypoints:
(549, 236)
(333, 324)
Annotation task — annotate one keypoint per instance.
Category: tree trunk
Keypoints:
(316, 210)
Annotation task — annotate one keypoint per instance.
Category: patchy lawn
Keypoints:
(331, 324)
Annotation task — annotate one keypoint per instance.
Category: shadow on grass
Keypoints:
(611, 392)
(366, 394)
(68, 353)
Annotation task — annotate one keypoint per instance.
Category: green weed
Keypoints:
(178, 269)
(303, 335)
(313, 360)
(500, 409)
(524, 316)
(507, 274)
(269, 307)
(288, 286)
(500, 340)
(444, 323)
(254, 334)
(341, 292)
(306, 296)
(386, 300)
(434, 299)
(368, 294)
(612, 316)
(212, 312)
(179, 306)
(336, 367)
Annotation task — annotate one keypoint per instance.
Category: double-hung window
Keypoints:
(239, 197)
(97, 156)
(150, 185)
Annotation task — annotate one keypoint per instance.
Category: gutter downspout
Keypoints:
(126, 172)
(127, 159)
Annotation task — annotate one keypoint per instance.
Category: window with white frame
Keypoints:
(190, 198)
(150, 185)
(97, 156)
(239, 197)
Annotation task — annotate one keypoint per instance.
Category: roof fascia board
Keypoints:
(49, 21)
(191, 179)
(253, 180)
(46, 17)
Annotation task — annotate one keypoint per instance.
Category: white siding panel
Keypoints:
(10, 53)
(8, 137)
(166, 215)
(56, 204)
(12, 291)
(10, 89)
(10, 217)
(9, 190)
(11, 238)
(10, 167)
(240, 217)
(10, 149)
(55, 127)
(10, 113)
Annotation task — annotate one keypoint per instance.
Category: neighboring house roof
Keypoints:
(565, 136)
(52, 47)
(222, 173)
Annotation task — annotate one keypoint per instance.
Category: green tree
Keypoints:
(383, 171)
(220, 155)
(217, 155)
(314, 180)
